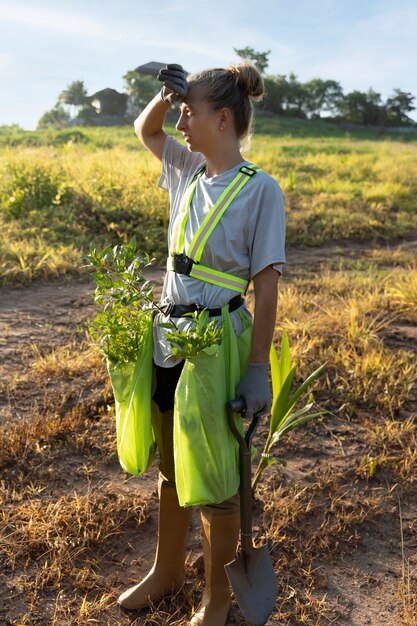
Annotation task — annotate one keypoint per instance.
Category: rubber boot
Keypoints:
(220, 535)
(167, 573)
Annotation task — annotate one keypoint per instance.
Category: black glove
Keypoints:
(175, 86)
(255, 389)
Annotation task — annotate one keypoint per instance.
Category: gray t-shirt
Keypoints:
(249, 237)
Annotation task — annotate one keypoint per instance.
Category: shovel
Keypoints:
(251, 574)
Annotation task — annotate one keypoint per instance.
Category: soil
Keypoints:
(363, 585)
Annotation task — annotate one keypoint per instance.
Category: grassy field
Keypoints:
(60, 191)
(341, 516)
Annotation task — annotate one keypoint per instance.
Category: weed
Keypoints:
(393, 445)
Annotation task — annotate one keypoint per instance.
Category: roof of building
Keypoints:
(107, 91)
(151, 68)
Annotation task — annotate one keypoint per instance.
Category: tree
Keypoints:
(140, 89)
(296, 97)
(259, 59)
(286, 96)
(75, 95)
(55, 118)
(322, 96)
(397, 107)
(360, 107)
(276, 89)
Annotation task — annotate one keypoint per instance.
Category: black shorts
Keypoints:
(166, 383)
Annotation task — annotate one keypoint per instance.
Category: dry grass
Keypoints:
(68, 361)
(341, 320)
(392, 444)
(61, 546)
(64, 535)
(401, 290)
(309, 526)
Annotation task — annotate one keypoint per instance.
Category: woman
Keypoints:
(247, 243)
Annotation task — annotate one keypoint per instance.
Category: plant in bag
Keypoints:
(122, 329)
(199, 334)
(124, 299)
(284, 417)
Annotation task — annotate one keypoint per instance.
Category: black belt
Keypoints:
(179, 310)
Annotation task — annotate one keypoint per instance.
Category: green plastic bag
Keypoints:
(132, 387)
(206, 452)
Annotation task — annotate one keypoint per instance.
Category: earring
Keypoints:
(220, 127)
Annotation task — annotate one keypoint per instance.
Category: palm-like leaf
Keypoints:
(284, 417)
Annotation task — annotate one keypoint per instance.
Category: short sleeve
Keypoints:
(268, 242)
(177, 162)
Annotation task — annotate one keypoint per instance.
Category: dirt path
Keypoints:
(41, 317)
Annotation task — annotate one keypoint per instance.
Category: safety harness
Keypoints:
(188, 263)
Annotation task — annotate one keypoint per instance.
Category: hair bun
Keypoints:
(249, 79)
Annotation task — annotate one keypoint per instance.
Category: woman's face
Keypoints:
(198, 123)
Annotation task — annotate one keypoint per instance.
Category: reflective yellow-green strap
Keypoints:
(222, 279)
(178, 228)
(209, 275)
(196, 247)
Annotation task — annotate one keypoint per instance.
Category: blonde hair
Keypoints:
(235, 88)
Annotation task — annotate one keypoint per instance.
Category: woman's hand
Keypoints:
(175, 86)
(255, 389)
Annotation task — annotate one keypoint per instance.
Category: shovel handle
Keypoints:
(238, 406)
(232, 407)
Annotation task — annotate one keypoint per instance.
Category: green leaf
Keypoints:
(285, 362)
(281, 405)
(306, 384)
(289, 424)
(275, 371)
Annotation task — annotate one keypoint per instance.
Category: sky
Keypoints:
(47, 44)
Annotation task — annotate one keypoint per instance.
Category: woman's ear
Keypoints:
(224, 118)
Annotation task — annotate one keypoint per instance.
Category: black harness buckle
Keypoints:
(182, 264)
(249, 171)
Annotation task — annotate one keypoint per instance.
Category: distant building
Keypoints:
(108, 102)
(112, 107)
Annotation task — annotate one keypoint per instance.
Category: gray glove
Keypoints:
(175, 86)
(255, 389)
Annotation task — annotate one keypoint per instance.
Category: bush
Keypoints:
(30, 188)
(69, 136)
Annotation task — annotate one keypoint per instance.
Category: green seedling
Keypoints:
(284, 417)
(124, 300)
(195, 337)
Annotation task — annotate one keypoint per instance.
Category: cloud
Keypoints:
(70, 22)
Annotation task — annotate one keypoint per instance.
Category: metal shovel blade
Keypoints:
(251, 574)
(254, 584)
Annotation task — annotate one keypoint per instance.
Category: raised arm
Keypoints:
(148, 126)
